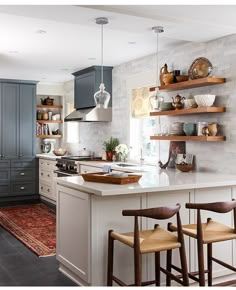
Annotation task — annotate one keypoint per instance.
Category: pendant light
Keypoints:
(157, 98)
(102, 97)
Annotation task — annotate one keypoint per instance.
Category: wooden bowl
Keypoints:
(59, 152)
(184, 167)
(181, 78)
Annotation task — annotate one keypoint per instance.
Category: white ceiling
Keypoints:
(73, 37)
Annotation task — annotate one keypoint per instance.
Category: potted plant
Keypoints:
(110, 146)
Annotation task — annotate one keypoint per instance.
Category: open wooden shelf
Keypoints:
(49, 107)
(49, 136)
(49, 121)
(190, 138)
(190, 84)
(189, 111)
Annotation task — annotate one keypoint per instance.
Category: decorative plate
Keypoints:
(200, 68)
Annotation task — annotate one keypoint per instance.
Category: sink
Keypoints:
(126, 164)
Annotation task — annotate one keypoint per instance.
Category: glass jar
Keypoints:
(39, 115)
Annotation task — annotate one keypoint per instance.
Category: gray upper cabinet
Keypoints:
(17, 120)
(87, 82)
(10, 120)
(27, 122)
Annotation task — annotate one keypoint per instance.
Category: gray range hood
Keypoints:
(90, 115)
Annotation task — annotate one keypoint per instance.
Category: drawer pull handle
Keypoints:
(22, 188)
(41, 187)
(41, 173)
(48, 175)
(48, 190)
(22, 173)
(85, 171)
(21, 155)
(48, 164)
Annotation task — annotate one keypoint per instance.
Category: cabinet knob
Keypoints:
(41, 187)
(48, 190)
(85, 171)
(48, 164)
(3, 156)
(21, 155)
(22, 188)
(41, 173)
(22, 173)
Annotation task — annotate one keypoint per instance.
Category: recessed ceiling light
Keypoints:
(13, 51)
(132, 42)
(40, 31)
(64, 69)
(92, 58)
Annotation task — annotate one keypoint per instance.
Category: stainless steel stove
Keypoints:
(69, 165)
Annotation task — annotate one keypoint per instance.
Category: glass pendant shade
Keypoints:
(102, 97)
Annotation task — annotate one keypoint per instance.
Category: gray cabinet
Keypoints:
(87, 82)
(17, 138)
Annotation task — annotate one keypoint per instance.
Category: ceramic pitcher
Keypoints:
(213, 129)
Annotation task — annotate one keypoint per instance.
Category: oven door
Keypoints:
(64, 174)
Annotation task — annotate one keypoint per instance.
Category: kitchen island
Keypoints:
(87, 210)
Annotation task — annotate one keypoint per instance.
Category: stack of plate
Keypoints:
(177, 129)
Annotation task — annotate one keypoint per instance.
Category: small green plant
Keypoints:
(111, 144)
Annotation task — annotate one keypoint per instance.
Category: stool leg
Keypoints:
(184, 266)
(110, 259)
(168, 266)
(201, 263)
(209, 263)
(157, 269)
(137, 268)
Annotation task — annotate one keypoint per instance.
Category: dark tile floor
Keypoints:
(20, 267)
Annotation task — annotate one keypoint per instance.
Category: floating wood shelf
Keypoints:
(189, 111)
(49, 121)
(49, 136)
(190, 138)
(190, 84)
(49, 107)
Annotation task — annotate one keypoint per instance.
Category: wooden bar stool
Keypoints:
(150, 241)
(209, 233)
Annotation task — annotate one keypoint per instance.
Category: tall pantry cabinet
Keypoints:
(17, 140)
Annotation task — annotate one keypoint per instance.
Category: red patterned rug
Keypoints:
(34, 225)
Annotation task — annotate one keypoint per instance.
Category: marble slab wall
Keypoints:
(221, 52)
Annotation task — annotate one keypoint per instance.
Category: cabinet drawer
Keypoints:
(22, 188)
(4, 174)
(4, 189)
(47, 190)
(47, 164)
(23, 163)
(22, 174)
(4, 163)
(46, 175)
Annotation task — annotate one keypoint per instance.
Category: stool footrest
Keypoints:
(224, 264)
(118, 281)
(172, 276)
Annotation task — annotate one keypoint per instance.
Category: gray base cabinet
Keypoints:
(17, 139)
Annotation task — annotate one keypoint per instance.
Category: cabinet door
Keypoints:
(27, 121)
(84, 90)
(10, 120)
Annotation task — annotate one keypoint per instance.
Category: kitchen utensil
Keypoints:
(163, 70)
(168, 78)
(189, 129)
(84, 152)
(56, 132)
(47, 101)
(46, 146)
(190, 103)
(184, 167)
(59, 152)
(181, 78)
(213, 129)
(178, 102)
(200, 68)
(204, 100)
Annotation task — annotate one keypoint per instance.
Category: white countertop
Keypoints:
(164, 180)
(47, 156)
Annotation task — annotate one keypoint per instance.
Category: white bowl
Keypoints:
(204, 100)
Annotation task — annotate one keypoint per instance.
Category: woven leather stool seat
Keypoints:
(151, 241)
(209, 233)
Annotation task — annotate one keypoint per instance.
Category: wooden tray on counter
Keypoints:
(102, 177)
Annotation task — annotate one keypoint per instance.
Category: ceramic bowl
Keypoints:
(167, 106)
(204, 100)
(59, 152)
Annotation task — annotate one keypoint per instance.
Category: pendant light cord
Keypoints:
(102, 53)
(157, 64)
